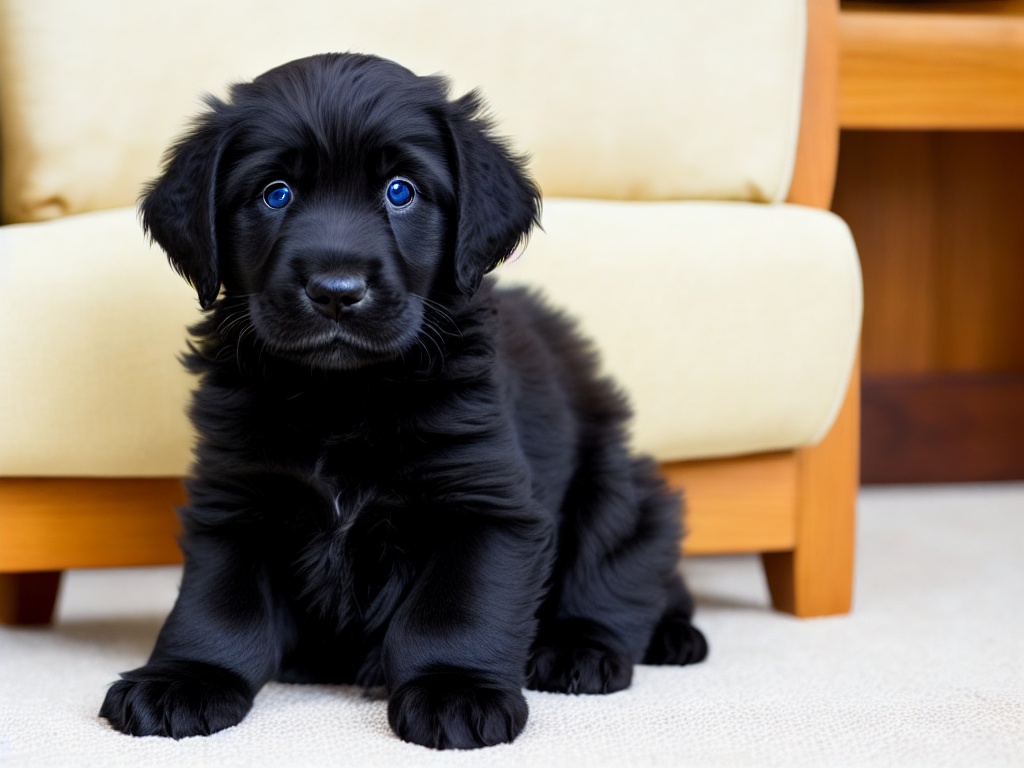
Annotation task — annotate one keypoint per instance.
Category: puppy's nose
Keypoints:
(332, 294)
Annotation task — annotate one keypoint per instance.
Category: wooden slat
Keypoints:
(938, 224)
(50, 524)
(966, 427)
(914, 68)
(884, 191)
(734, 505)
(741, 504)
(814, 171)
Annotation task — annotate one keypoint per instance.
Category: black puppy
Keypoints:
(403, 477)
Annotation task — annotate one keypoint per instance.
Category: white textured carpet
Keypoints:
(928, 670)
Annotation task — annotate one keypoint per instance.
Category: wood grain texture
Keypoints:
(740, 504)
(910, 65)
(53, 524)
(938, 224)
(971, 7)
(959, 427)
(814, 171)
(979, 250)
(936, 215)
(816, 577)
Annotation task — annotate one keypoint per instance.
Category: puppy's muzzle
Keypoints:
(334, 294)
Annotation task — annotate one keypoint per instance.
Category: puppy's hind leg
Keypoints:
(675, 640)
(615, 580)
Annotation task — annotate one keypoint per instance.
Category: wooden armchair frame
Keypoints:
(796, 508)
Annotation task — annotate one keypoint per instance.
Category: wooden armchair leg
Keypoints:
(28, 598)
(52, 524)
(816, 577)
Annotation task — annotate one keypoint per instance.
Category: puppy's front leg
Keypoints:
(456, 651)
(220, 644)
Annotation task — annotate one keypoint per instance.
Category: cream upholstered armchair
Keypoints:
(686, 154)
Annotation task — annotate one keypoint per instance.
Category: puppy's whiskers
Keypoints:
(236, 330)
(444, 317)
(438, 326)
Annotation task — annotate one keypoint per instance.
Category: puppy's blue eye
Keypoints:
(400, 193)
(277, 195)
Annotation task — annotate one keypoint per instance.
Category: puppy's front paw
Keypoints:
(456, 711)
(176, 699)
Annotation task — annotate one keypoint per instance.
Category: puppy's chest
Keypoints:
(353, 549)
(357, 518)
(341, 431)
(351, 565)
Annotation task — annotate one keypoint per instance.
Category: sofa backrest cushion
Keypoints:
(645, 99)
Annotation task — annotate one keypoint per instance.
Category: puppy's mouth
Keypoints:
(341, 351)
(348, 343)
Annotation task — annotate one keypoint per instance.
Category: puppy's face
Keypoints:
(340, 198)
(337, 192)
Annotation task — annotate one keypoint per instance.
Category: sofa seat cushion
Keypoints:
(643, 100)
(92, 320)
(732, 326)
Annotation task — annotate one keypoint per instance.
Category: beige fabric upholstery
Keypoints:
(647, 99)
(733, 327)
(91, 322)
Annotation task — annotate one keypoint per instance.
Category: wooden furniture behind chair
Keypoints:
(931, 161)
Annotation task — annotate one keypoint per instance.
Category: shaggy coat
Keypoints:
(404, 477)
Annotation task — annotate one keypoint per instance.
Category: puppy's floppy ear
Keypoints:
(497, 203)
(179, 208)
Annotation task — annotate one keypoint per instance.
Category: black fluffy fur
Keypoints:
(428, 489)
